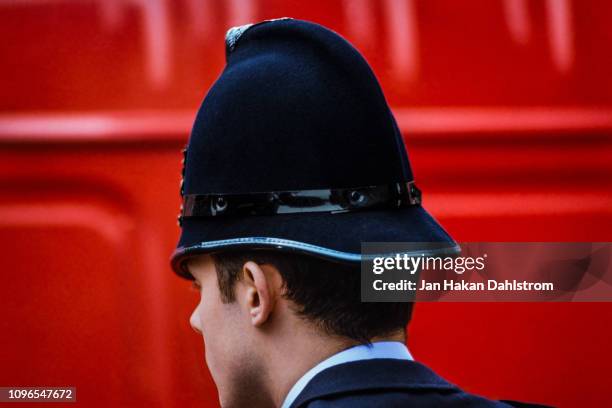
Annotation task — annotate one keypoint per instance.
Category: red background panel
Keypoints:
(506, 111)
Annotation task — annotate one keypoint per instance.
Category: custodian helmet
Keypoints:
(295, 149)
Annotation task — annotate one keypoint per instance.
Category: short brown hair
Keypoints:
(325, 292)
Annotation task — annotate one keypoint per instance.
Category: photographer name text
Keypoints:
(461, 285)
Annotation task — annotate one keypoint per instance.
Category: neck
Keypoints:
(288, 359)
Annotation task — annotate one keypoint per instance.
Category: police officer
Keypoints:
(294, 160)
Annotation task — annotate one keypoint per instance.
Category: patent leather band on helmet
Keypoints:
(333, 200)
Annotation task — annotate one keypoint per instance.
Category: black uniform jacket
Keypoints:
(387, 383)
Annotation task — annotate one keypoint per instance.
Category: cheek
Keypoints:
(218, 322)
(220, 348)
(205, 318)
(210, 317)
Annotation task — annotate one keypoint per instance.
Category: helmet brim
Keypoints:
(335, 237)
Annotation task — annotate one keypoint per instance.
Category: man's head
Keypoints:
(293, 151)
(295, 147)
(255, 303)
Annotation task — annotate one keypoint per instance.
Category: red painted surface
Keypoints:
(506, 107)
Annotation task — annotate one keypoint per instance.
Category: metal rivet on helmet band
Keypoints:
(220, 204)
(355, 197)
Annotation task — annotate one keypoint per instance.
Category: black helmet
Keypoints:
(295, 149)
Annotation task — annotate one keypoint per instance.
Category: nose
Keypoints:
(194, 320)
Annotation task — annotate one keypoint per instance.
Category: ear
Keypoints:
(261, 291)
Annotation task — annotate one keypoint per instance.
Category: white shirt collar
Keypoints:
(382, 349)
